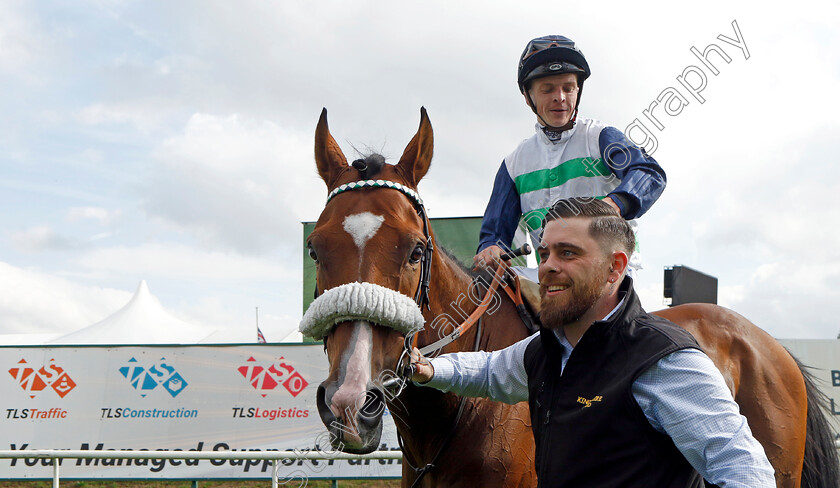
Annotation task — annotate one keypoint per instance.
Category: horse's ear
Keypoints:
(417, 157)
(328, 156)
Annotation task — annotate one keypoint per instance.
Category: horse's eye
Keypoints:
(312, 253)
(416, 254)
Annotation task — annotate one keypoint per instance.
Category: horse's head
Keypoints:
(371, 246)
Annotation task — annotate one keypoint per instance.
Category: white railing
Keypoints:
(274, 456)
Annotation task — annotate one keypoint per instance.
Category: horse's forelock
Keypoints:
(369, 166)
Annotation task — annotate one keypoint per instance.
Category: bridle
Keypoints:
(421, 296)
(404, 370)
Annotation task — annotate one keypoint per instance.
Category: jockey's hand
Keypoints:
(423, 369)
(489, 257)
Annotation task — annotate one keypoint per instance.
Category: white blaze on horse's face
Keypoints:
(362, 227)
(354, 377)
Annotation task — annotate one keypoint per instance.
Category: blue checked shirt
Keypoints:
(683, 395)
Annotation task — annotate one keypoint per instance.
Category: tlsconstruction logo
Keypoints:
(279, 373)
(145, 379)
(49, 375)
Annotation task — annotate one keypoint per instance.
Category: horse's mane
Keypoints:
(457, 262)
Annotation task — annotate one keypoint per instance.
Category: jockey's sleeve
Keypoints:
(503, 212)
(642, 179)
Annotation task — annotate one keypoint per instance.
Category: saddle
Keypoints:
(530, 292)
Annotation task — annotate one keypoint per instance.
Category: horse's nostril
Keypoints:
(371, 412)
(321, 401)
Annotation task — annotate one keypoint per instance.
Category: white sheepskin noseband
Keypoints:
(361, 301)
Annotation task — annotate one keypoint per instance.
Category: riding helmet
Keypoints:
(551, 55)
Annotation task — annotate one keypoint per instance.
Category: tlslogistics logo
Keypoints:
(49, 375)
(145, 379)
(265, 379)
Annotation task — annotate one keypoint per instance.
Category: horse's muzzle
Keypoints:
(357, 428)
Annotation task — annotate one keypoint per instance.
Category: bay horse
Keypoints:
(381, 279)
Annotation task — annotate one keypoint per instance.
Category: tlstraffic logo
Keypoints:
(49, 375)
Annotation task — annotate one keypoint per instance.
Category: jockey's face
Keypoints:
(555, 98)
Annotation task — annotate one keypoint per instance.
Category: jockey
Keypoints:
(567, 157)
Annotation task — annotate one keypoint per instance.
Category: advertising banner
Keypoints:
(191, 398)
(223, 398)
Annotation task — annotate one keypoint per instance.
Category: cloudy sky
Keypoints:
(172, 142)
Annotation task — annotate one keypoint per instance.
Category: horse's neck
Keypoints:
(453, 299)
(425, 415)
(449, 298)
(449, 281)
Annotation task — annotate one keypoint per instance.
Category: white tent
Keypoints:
(27, 339)
(142, 320)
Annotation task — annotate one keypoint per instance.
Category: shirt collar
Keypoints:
(615, 310)
(564, 136)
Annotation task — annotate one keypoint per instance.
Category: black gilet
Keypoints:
(589, 430)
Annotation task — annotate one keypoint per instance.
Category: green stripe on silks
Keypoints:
(553, 177)
(533, 219)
